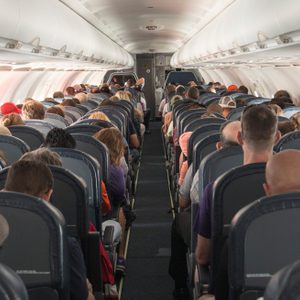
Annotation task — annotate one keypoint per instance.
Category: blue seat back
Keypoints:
(42, 126)
(83, 129)
(290, 140)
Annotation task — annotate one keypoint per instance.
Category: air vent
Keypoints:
(151, 27)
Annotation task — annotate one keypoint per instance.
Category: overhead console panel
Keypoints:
(245, 32)
(53, 33)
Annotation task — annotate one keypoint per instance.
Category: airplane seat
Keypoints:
(88, 105)
(264, 238)
(282, 119)
(290, 140)
(83, 129)
(232, 191)
(284, 284)
(101, 123)
(43, 267)
(41, 125)
(88, 168)
(198, 135)
(236, 113)
(12, 148)
(96, 149)
(259, 100)
(11, 285)
(211, 167)
(203, 147)
(198, 123)
(74, 111)
(56, 120)
(288, 112)
(82, 108)
(31, 136)
(69, 117)
(210, 100)
(190, 116)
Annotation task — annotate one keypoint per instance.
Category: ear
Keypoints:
(47, 195)
(267, 189)
(218, 145)
(277, 137)
(239, 138)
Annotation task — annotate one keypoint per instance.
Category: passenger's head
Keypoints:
(11, 119)
(70, 91)
(123, 95)
(104, 88)
(58, 137)
(242, 89)
(33, 110)
(4, 230)
(228, 104)
(58, 95)
(8, 108)
(282, 93)
(30, 177)
(276, 109)
(193, 93)
(180, 90)
(69, 102)
(175, 98)
(43, 155)
(82, 97)
(229, 134)
(214, 108)
(283, 173)
(55, 110)
(113, 139)
(259, 129)
(99, 115)
(286, 126)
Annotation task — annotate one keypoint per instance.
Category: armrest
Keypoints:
(202, 281)
(108, 236)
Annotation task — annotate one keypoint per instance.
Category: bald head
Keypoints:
(283, 173)
(229, 132)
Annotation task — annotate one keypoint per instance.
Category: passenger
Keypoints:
(122, 95)
(8, 108)
(69, 102)
(49, 99)
(283, 102)
(35, 178)
(231, 89)
(70, 92)
(58, 137)
(282, 173)
(169, 93)
(282, 93)
(56, 110)
(192, 93)
(296, 120)
(276, 109)
(99, 115)
(257, 137)
(43, 155)
(33, 110)
(11, 119)
(214, 108)
(286, 127)
(183, 164)
(113, 139)
(58, 95)
(228, 104)
(242, 89)
(82, 97)
(180, 91)
(181, 227)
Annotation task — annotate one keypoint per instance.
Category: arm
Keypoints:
(202, 250)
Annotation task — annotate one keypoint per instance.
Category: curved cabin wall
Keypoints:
(51, 29)
(18, 85)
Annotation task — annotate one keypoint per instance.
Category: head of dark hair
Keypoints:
(242, 89)
(282, 101)
(286, 127)
(70, 91)
(180, 90)
(58, 137)
(55, 110)
(282, 93)
(193, 92)
(58, 94)
(68, 102)
(106, 102)
(29, 177)
(259, 126)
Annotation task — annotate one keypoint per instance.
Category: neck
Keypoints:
(251, 157)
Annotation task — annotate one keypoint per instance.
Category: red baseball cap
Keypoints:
(8, 108)
(232, 88)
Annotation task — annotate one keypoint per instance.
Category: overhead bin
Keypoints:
(244, 27)
(51, 29)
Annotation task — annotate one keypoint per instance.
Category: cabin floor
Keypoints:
(149, 243)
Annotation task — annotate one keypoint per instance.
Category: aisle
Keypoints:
(149, 244)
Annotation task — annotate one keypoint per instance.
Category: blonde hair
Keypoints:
(33, 110)
(4, 130)
(11, 119)
(123, 95)
(99, 115)
(113, 140)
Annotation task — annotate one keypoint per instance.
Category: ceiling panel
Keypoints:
(142, 26)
